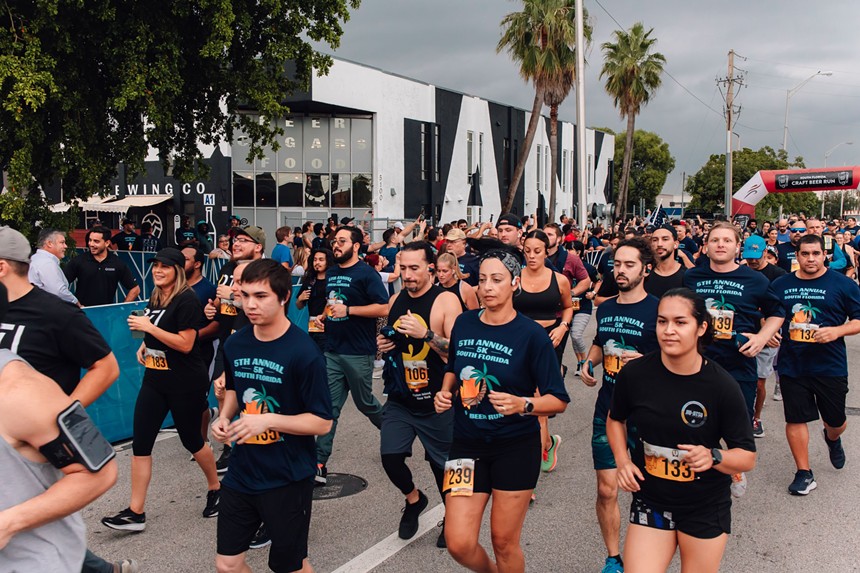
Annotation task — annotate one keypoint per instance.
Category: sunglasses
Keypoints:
(798, 229)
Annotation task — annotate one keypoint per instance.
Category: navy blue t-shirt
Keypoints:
(737, 301)
(284, 376)
(585, 305)
(205, 291)
(787, 257)
(826, 301)
(469, 265)
(357, 285)
(622, 328)
(516, 358)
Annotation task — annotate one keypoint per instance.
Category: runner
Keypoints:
(545, 297)
(500, 355)
(582, 315)
(99, 271)
(175, 381)
(356, 299)
(822, 307)
(468, 262)
(756, 255)
(421, 316)
(450, 278)
(314, 294)
(678, 470)
(667, 273)
(510, 230)
(279, 375)
(625, 331)
(788, 249)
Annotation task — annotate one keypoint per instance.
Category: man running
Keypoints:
(276, 380)
(667, 273)
(468, 262)
(788, 250)
(510, 230)
(822, 307)
(626, 329)
(356, 299)
(422, 315)
(99, 271)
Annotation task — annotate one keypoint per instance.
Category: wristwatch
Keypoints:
(716, 457)
(429, 336)
(528, 407)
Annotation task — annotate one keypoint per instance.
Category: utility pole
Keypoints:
(730, 80)
(581, 153)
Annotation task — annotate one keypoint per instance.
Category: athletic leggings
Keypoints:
(577, 331)
(401, 476)
(152, 407)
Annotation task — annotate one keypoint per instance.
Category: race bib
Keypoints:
(459, 477)
(312, 326)
(723, 322)
(802, 331)
(794, 265)
(155, 360)
(228, 308)
(612, 364)
(576, 303)
(417, 374)
(267, 437)
(666, 463)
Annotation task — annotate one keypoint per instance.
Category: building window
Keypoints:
(423, 152)
(437, 156)
(469, 159)
(481, 158)
(538, 164)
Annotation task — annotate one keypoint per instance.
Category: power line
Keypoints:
(792, 65)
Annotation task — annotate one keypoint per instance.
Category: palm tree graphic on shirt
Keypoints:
(474, 385)
(804, 313)
(259, 402)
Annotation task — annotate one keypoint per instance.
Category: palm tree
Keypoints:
(541, 39)
(632, 75)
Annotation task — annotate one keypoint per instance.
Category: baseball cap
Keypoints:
(127, 222)
(754, 247)
(455, 234)
(256, 234)
(509, 219)
(650, 228)
(772, 250)
(169, 256)
(398, 225)
(14, 246)
(670, 228)
(347, 220)
(235, 217)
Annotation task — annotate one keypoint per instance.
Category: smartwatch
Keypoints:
(429, 336)
(716, 457)
(528, 407)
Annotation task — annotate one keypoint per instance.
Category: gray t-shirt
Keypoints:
(57, 546)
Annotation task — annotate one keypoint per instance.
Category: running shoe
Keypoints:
(836, 451)
(612, 565)
(223, 463)
(777, 393)
(409, 521)
(578, 368)
(213, 496)
(803, 483)
(126, 520)
(322, 475)
(550, 456)
(758, 429)
(261, 538)
(739, 484)
(126, 566)
(440, 541)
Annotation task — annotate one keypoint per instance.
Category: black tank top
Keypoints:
(455, 289)
(543, 305)
(413, 372)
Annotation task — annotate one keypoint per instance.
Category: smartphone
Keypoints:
(84, 437)
(590, 368)
(491, 217)
(740, 339)
(137, 333)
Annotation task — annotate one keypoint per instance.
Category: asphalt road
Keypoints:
(773, 532)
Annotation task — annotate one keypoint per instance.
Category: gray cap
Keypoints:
(14, 246)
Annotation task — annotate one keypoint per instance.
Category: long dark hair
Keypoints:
(699, 311)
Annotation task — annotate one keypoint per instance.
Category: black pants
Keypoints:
(152, 407)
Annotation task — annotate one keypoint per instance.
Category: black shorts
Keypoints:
(804, 397)
(706, 522)
(286, 511)
(511, 464)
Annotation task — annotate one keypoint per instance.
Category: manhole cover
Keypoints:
(340, 485)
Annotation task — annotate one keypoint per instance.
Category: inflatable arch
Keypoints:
(792, 181)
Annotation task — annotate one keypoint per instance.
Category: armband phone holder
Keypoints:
(80, 441)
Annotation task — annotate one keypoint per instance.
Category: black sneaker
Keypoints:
(803, 483)
(836, 451)
(322, 475)
(126, 520)
(440, 541)
(223, 462)
(213, 496)
(409, 521)
(261, 538)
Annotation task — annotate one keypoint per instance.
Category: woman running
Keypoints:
(176, 381)
(450, 278)
(681, 405)
(498, 359)
(314, 295)
(582, 310)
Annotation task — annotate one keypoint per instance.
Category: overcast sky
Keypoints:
(451, 44)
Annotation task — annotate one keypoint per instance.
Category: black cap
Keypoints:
(347, 220)
(509, 219)
(169, 256)
(650, 229)
(127, 221)
(669, 228)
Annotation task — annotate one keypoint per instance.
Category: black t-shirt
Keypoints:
(167, 369)
(516, 358)
(124, 241)
(663, 410)
(317, 300)
(184, 235)
(55, 337)
(284, 376)
(97, 281)
(147, 242)
(605, 266)
(772, 272)
(356, 285)
(658, 285)
(469, 267)
(226, 315)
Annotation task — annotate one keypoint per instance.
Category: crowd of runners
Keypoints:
(467, 326)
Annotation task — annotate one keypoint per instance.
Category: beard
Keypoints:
(344, 257)
(631, 284)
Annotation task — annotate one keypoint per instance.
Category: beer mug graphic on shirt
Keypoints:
(613, 353)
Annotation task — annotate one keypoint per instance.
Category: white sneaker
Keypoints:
(739, 484)
(777, 393)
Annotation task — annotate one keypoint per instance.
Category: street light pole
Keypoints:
(581, 160)
(788, 95)
(830, 151)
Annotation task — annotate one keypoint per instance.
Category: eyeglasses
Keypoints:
(798, 229)
(244, 241)
(342, 241)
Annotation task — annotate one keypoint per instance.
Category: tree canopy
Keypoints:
(651, 165)
(707, 186)
(85, 86)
